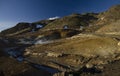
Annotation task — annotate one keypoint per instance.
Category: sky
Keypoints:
(15, 11)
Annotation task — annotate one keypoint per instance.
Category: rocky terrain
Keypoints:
(75, 45)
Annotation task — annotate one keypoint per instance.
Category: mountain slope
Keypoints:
(111, 28)
(73, 21)
(111, 15)
(75, 43)
(88, 21)
(105, 18)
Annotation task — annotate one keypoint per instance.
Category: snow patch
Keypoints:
(42, 42)
(53, 18)
(39, 26)
(65, 27)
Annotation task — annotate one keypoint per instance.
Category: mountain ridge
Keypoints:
(76, 45)
(85, 21)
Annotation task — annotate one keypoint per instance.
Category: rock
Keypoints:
(59, 74)
(89, 65)
(53, 54)
(118, 43)
(36, 54)
(27, 53)
(100, 67)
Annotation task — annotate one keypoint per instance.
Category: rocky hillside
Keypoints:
(74, 45)
(105, 18)
(24, 27)
(112, 28)
(111, 15)
(74, 21)
(88, 22)
(110, 20)
(17, 28)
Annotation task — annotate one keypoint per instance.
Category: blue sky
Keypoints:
(14, 11)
